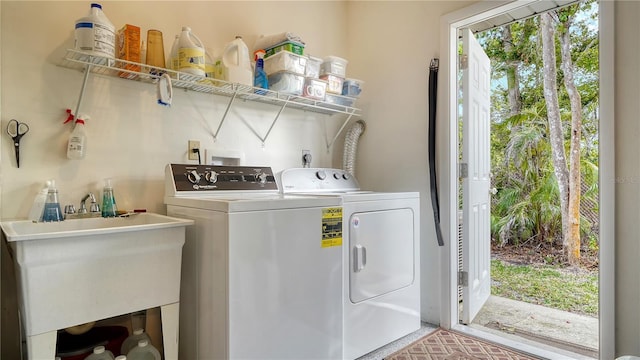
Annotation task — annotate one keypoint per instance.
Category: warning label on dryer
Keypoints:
(331, 227)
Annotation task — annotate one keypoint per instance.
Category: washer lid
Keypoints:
(239, 202)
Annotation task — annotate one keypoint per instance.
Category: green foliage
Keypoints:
(526, 203)
(545, 285)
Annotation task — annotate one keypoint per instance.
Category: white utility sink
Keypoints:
(82, 270)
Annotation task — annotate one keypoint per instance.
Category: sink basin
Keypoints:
(20, 230)
(82, 270)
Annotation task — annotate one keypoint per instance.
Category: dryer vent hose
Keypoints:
(351, 146)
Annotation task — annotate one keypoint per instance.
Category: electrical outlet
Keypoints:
(193, 144)
(306, 158)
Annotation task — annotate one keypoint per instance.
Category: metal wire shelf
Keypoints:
(101, 65)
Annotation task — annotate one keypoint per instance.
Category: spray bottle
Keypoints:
(76, 147)
(260, 79)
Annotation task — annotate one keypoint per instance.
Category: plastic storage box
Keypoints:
(285, 61)
(313, 67)
(334, 65)
(290, 46)
(286, 82)
(352, 87)
(339, 100)
(334, 85)
(314, 88)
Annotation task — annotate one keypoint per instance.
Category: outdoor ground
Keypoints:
(540, 274)
(543, 254)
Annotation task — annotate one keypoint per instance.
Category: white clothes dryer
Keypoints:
(381, 266)
(262, 271)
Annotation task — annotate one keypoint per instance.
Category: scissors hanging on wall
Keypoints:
(17, 130)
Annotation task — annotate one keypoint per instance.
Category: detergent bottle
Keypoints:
(144, 351)
(191, 58)
(132, 341)
(100, 353)
(95, 34)
(172, 60)
(237, 63)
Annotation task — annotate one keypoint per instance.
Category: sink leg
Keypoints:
(170, 326)
(42, 346)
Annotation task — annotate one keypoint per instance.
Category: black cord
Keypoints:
(433, 90)
(197, 151)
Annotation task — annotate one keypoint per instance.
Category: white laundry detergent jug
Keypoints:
(132, 341)
(95, 34)
(237, 63)
(144, 351)
(190, 53)
(100, 353)
(172, 60)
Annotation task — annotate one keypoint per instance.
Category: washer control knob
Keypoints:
(193, 177)
(336, 176)
(346, 176)
(262, 178)
(320, 174)
(211, 176)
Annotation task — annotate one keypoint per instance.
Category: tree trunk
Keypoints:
(553, 116)
(513, 76)
(572, 239)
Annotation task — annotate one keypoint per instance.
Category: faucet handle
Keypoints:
(94, 208)
(82, 209)
(69, 209)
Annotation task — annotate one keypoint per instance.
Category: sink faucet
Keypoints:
(94, 207)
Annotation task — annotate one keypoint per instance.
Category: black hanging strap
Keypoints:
(433, 96)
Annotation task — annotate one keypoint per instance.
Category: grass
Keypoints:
(572, 291)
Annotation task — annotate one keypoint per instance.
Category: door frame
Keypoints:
(447, 160)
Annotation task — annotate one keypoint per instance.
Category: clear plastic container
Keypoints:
(334, 65)
(312, 69)
(352, 87)
(286, 82)
(339, 100)
(100, 353)
(132, 341)
(334, 85)
(314, 88)
(285, 61)
(144, 351)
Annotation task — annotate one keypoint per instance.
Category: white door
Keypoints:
(476, 241)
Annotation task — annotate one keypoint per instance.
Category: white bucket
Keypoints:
(237, 63)
(191, 57)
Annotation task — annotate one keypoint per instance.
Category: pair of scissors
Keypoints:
(16, 130)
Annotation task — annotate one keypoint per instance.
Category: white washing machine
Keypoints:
(381, 278)
(262, 271)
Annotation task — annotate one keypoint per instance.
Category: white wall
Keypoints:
(391, 44)
(130, 137)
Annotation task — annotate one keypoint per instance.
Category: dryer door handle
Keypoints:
(359, 258)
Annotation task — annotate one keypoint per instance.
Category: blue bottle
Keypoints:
(260, 79)
(52, 211)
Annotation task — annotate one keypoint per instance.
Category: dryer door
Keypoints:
(381, 256)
